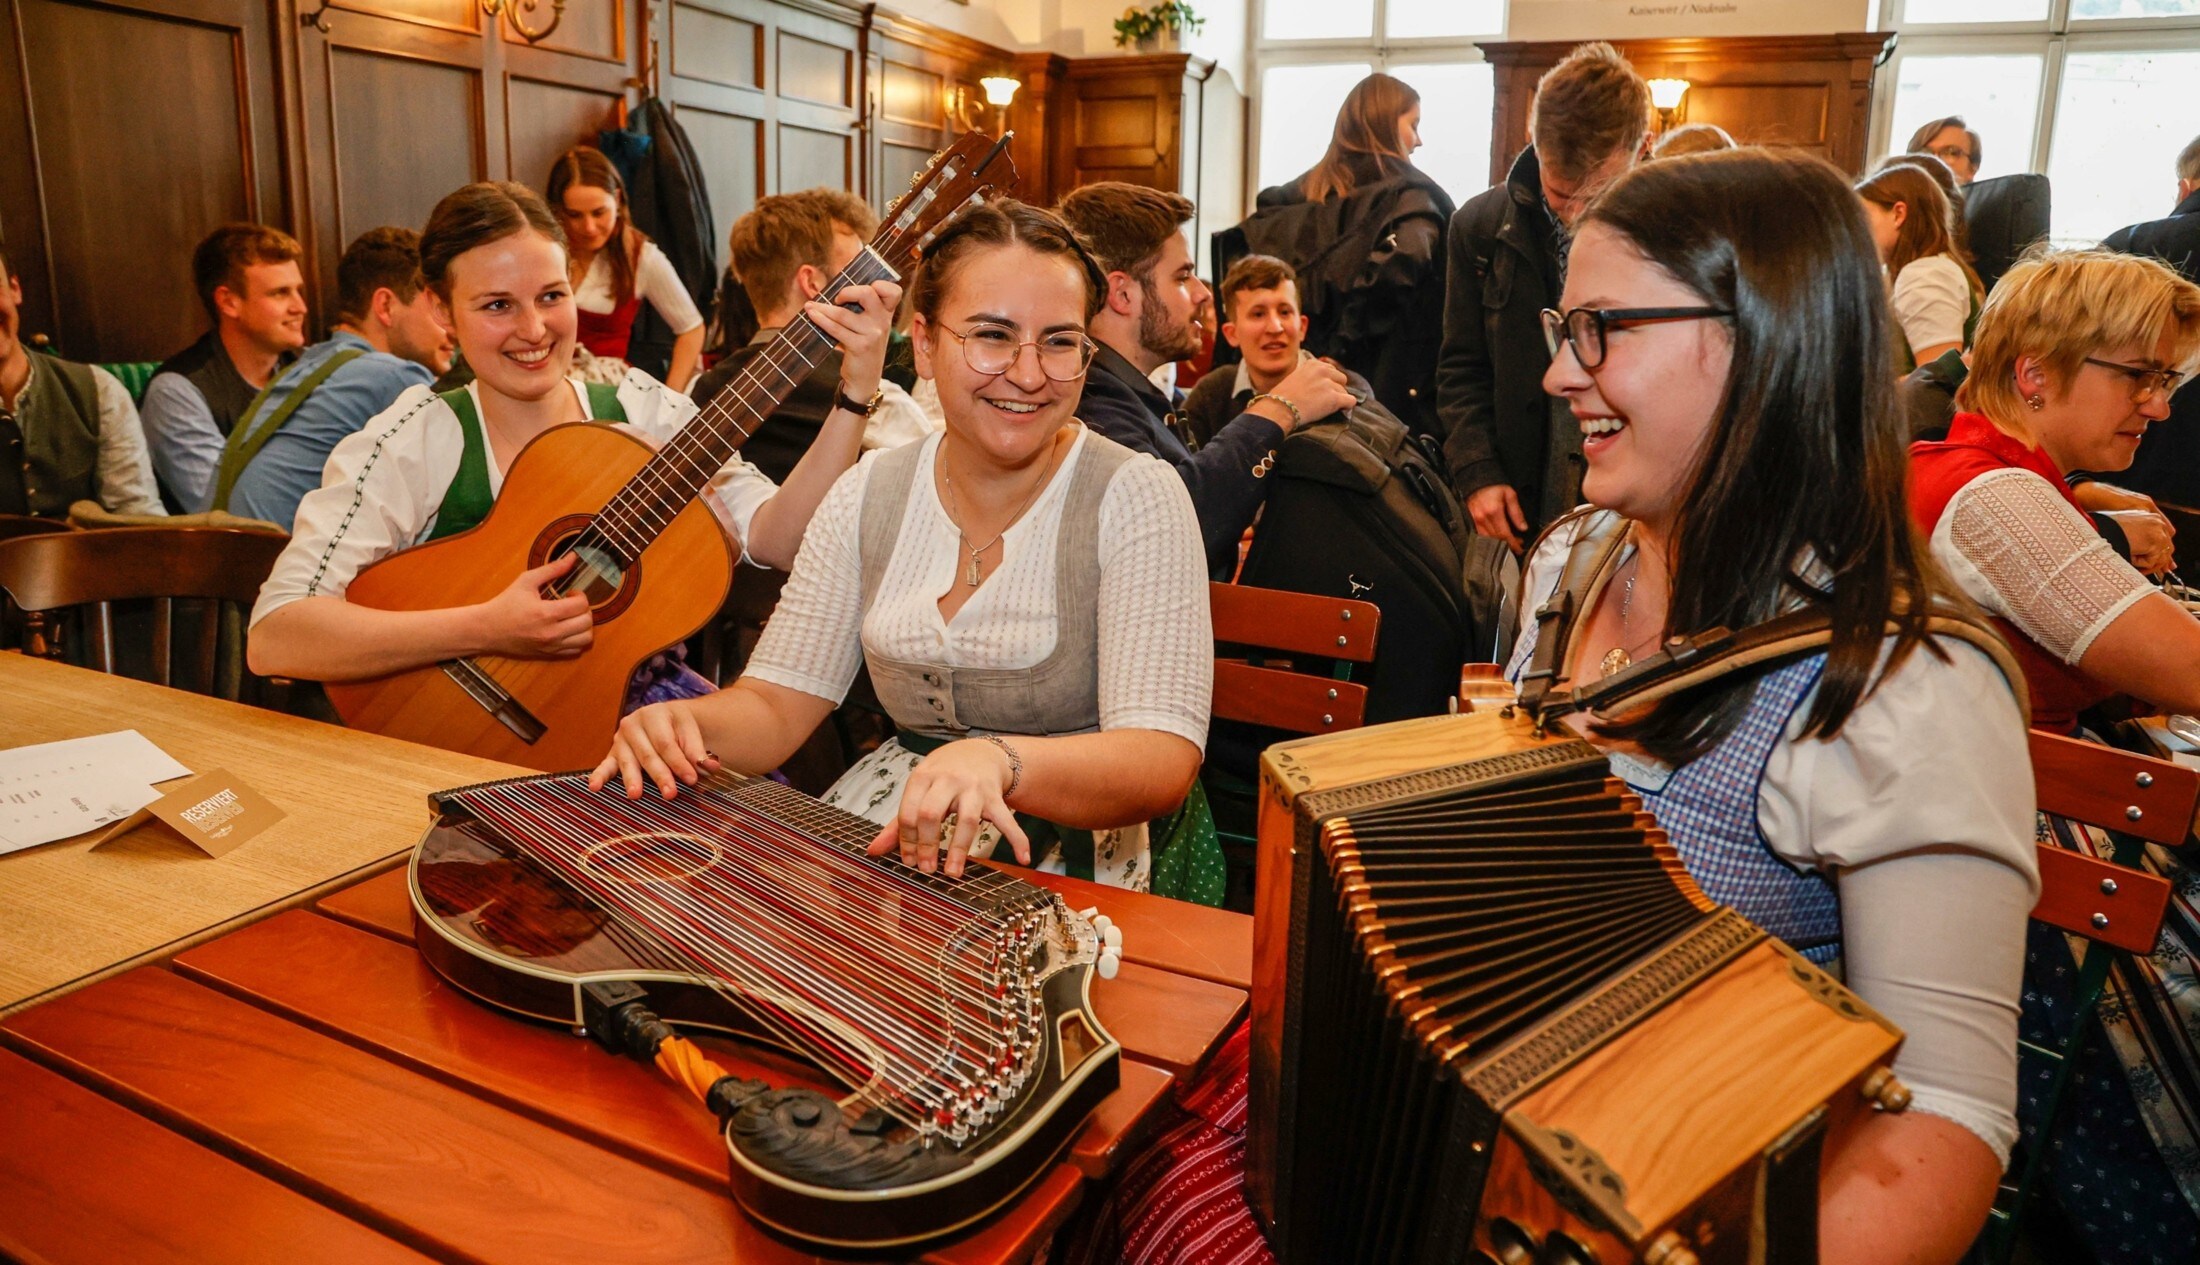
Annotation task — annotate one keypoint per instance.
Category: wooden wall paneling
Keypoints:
(590, 28)
(925, 93)
(395, 115)
(1131, 118)
(150, 122)
(816, 77)
(553, 100)
(1037, 113)
(1810, 92)
(22, 216)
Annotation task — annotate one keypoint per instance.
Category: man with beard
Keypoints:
(1150, 317)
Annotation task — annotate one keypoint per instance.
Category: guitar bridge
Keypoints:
(494, 699)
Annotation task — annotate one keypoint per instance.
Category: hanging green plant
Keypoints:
(1140, 26)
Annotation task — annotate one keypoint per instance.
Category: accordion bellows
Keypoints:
(1494, 1020)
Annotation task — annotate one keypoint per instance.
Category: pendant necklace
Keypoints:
(976, 575)
(1617, 659)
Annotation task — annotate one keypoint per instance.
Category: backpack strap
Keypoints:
(1595, 551)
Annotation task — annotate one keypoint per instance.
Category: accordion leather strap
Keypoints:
(1588, 564)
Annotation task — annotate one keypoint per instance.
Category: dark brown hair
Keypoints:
(222, 256)
(585, 165)
(1806, 457)
(1587, 108)
(1367, 123)
(998, 224)
(1928, 229)
(787, 230)
(476, 215)
(379, 259)
(1252, 272)
(1125, 225)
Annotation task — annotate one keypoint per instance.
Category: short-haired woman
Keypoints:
(1029, 596)
(1931, 285)
(432, 465)
(615, 268)
(2077, 355)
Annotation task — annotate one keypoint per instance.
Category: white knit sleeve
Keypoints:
(2017, 548)
(1157, 645)
(1931, 299)
(814, 641)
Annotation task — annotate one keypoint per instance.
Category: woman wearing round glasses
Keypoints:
(1030, 598)
(2077, 354)
(1724, 351)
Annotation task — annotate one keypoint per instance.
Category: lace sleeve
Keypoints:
(2019, 549)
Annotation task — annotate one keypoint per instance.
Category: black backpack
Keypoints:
(1359, 508)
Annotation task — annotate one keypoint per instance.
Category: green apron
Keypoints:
(251, 433)
(467, 501)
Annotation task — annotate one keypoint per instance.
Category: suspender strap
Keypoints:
(252, 433)
(1590, 561)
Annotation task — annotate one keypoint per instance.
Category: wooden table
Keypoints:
(70, 915)
(305, 1088)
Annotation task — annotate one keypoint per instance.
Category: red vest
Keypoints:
(1938, 471)
(607, 333)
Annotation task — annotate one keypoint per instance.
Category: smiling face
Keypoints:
(590, 215)
(2093, 422)
(269, 309)
(1170, 299)
(1647, 409)
(511, 309)
(1006, 418)
(1268, 328)
(417, 332)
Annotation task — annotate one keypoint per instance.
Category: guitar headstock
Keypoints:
(976, 168)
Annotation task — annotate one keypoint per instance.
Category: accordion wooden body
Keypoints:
(1494, 1020)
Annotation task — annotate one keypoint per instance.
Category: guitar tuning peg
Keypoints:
(1112, 937)
(1111, 962)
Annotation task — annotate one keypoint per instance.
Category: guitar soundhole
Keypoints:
(651, 857)
(608, 584)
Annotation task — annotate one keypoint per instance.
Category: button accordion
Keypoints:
(1494, 1020)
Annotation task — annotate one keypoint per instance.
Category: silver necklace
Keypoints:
(976, 575)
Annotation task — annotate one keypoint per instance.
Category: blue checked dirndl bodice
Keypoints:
(1708, 808)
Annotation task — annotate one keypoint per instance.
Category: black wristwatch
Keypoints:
(841, 401)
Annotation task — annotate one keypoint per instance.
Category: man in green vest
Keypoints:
(68, 432)
(387, 339)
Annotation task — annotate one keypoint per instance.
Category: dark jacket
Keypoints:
(1499, 426)
(670, 203)
(1371, 268)
(1213, 404)
(1224, 477)
(2167, 466)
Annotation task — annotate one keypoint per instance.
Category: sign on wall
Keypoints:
(1655, 19)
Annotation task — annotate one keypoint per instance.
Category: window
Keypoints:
(1318, 19)
(2119, 121)
(1298, 111)
(1457, 100)
(1999, 97)
(2096, 93)
(1423, 19)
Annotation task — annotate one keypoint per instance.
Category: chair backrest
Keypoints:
(13, 525)
(47, 573)
(2136, 795)
(1298, 624)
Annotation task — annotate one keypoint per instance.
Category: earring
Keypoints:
(2035, 402)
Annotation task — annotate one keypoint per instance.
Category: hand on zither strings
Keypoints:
(862, 334)
(522, 623)
(967, 780)
(661, 740)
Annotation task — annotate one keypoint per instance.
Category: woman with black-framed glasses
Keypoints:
(1724, 350)
(2077, 355)
(1030, 599)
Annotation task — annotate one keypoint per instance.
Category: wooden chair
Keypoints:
(50, 574)
(2112, 903)
(1266, 625)
(11, 526)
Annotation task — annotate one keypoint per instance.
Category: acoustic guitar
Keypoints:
(654, 563)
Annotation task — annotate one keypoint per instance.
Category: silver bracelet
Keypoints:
(1015, 762)
(1296, 420)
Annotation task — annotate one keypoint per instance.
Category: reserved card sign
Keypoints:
(215, 812)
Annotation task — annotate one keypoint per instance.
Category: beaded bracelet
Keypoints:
(1296, 420)
(1015, 762)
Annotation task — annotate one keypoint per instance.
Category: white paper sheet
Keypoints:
(57, 789)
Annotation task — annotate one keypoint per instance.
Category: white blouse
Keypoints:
(384, 485)
(654, 280)
(1932, 300)
(1156, 645)
(2016, 547)
(1922, 812)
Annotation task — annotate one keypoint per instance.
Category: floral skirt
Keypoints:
(872, 789)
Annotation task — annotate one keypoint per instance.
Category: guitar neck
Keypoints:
(681, 469)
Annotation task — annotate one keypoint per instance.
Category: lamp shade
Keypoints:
(999, 89)
(1666, 94)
